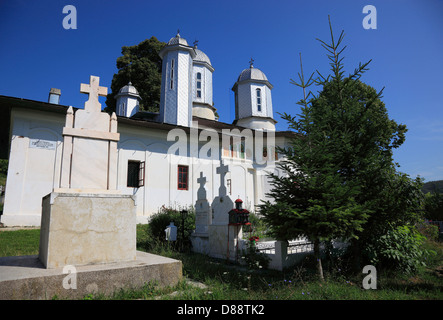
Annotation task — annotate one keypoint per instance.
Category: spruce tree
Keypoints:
(339, 166)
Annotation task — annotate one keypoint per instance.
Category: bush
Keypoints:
(158, 223)
(252, 257)
(399, 249)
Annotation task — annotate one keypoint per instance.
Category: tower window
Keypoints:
(182, 178)
(258, 99)
(123, 109)
(172, 74)
(199, 85)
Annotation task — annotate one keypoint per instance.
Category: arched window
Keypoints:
(199, 85)
(258, 99)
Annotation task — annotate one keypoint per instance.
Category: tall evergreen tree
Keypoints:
(141, 65)
(340, 164)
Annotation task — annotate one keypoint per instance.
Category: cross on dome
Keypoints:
(251, 62)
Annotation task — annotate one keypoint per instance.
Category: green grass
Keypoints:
(19, 242)
(230, 282)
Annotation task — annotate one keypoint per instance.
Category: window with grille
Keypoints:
(136, 174)
(182, 178)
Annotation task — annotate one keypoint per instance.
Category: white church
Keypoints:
(161, 156)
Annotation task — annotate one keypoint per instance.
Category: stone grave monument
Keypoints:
(222, 237)
(87, 225)
(87, 220)
(203, 218)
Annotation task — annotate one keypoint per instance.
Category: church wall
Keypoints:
(268, 100)
(206, 83)
(127, 107)
(34, 164)
(184, 89)
(161, 176)
(35, 169)
(247, 100)
(208, 87)
(168, 96)
(196, 69)
(244, 100)
(253, 97)
(256, 123)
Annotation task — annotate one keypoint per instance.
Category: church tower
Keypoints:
(128, 101)
(176, 86)
(202, 70)
(253, 100)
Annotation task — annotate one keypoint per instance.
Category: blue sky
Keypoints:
(406, 49)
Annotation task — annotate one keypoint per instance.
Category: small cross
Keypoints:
(195, 43)
(251, 62)
(94, 91)
(201, 180)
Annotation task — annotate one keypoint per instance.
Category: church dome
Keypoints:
(252, 74)
(201, 56)
(177, 40)
(128, 89)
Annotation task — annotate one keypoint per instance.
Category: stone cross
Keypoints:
(201, 192)
(201, 180)
(222, 170)
(94, 91)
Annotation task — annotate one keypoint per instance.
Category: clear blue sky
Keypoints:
(37, 53)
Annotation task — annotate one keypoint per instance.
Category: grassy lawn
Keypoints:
(19, 242)
(230, 282)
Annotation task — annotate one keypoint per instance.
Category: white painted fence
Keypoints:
(284, 254)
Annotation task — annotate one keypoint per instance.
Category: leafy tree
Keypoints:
(434, 206)
(141, 65)
(340, 165)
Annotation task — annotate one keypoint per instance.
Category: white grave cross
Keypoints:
(94, 91)
(201, 192)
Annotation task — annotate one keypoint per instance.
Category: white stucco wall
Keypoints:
(35, 158)
(34, 164)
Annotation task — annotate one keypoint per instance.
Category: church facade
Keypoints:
(161, 156)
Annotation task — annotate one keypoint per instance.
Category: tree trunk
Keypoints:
(318, 258)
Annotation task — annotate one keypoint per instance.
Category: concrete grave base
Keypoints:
(84, 228)
(26, 278)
